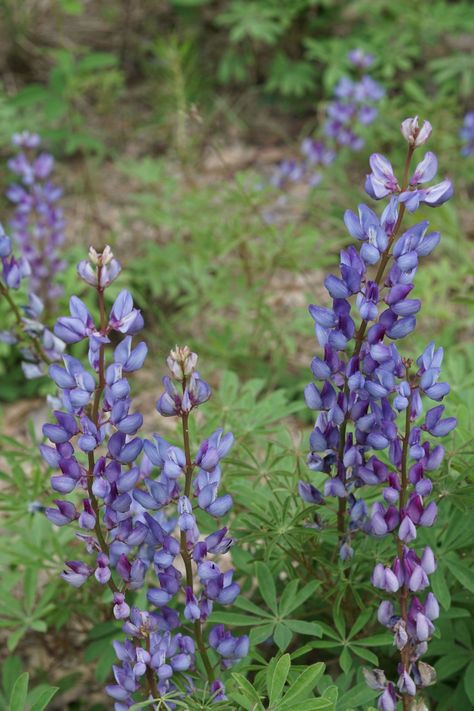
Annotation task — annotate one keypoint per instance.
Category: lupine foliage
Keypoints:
(141, 499)
(344, 580)
(129, 513)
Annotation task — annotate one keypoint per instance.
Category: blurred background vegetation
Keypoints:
(167, 119)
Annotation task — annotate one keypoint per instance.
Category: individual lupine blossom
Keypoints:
(466, 134)
(353, 106)
(372, 427)
(138, 524)
(36, 343)
(38, 222)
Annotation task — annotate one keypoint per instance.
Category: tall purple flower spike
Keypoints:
(139, 498)
(38, 222)
(37, 345)
(370, 400)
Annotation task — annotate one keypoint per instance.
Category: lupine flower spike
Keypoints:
(38, 223)
(37, 344)
(134, 493)
(365, 388)
(354, 106)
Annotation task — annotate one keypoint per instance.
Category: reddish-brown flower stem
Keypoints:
(183, 546)
(150, 677)
(404, 592)
(95, 419)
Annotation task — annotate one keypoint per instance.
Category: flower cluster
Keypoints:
(467, 134)
(38, 223)
(353, 106)
(140, 500)
(38, 345)
(371, 402)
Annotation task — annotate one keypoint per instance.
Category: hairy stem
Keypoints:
(184, 549)
(95, 419)
(150, 677)
(404, 592)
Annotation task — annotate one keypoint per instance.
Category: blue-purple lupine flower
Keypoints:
(136, 500)
(37, 345)
(354, 106)
(371, 402)
(466, 134)
(38, 222)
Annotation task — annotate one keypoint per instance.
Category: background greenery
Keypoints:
(166, 120)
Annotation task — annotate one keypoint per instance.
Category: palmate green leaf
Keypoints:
(282, 636)
(143, 704)
(19, 693)
(292, 598)
(358, 695)
(339, 621)
(15, 637)
(469, 681)
(364, 654)
(277, 676)
(40, 698)
(291, 78)
(248, 690)
(441, 588)
(376, 640)
(326, 644)
(315, 704)
(452, 663)
(234, 618)
(261, 633)
(302, 686)
(462, 573)
(266, 586)
(29, 587)
(11, 670)
(242, 603)
(328, 631)
(345, 660)
(312, 629)
(360, 622)
(331, 693)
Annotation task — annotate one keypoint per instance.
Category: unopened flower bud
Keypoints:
(414, 135)
(182, 362)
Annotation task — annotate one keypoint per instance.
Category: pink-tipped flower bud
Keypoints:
(413, 134)
(182, 362)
